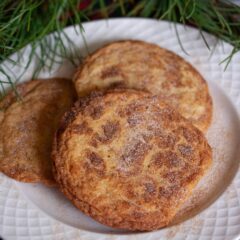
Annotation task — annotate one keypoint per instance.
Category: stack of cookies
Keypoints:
(124, 141)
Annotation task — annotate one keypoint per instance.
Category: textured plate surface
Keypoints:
(215, 219)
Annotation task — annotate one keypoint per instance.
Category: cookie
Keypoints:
(127, 159)
(145, 66)
(27, 126)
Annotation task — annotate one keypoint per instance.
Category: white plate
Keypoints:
(33, 211)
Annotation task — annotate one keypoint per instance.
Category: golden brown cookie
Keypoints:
(141, 65)
(27, 127)
(127, 159)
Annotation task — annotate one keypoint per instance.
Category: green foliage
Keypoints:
(25, 22)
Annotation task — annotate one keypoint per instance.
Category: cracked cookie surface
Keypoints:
(145, 66)
(127, 159)
(27, 127)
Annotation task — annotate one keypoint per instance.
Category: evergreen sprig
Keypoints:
(25, 22)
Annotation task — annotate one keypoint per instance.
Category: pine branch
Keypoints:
(25, 22)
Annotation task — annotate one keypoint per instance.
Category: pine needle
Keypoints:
(25, 22)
